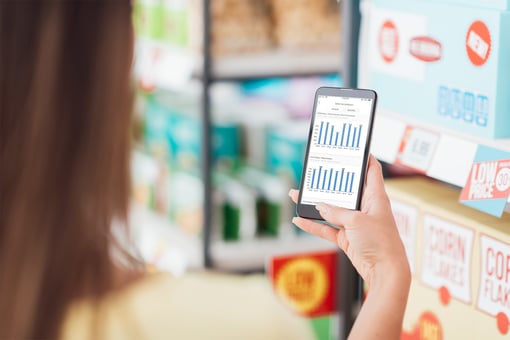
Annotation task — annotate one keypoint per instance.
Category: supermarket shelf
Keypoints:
(169, 249)
(251, 255)
(451, 153)
(275, 63)
(160, 65)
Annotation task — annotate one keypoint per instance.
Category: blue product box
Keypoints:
(442, 63)
(174, 131)
(157, 122)
(285, 150)
(185, 136)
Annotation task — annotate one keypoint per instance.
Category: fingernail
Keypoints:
(290, 193)
(294, 219)
(323, 208)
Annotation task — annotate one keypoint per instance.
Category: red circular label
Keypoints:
(478, 43)
(388, 41)
(444, 295)
(503, 323)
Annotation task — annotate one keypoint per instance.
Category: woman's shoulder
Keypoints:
(195, 305)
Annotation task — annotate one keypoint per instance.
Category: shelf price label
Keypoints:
(417, 148)
(488, 183)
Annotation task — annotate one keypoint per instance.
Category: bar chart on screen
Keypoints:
(337, 148)
(331, 179)
(333, 183)
(346, 135)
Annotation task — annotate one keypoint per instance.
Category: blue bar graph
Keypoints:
(331, 180)
(347, 135)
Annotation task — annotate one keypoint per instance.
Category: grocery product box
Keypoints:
(173, 130)
(439, 62)
(460, 259)
(162, 20)
(285, 150)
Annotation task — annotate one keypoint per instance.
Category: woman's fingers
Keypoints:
(332, 214)
(294, 195)
(318, 229)
(375, 179)
(336, 215)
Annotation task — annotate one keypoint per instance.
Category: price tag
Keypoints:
(417, 148)
(488, 184)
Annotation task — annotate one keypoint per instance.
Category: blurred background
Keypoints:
(225, 91)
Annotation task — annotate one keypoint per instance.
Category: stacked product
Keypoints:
(240, 26)
(307, 24)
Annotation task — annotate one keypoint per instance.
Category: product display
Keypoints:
(441, 70)
(449, 70)
(460, 260)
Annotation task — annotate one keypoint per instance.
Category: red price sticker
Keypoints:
(388, 41)
(478, 43)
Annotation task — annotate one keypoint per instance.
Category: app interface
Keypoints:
(336, 151)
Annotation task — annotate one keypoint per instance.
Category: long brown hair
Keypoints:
(65, 101)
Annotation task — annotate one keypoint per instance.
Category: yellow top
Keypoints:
(195, 306)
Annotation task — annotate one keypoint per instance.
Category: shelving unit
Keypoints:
(246, 256)
(170, 66)
(275, 63)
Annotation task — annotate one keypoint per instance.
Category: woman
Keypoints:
(65, 115)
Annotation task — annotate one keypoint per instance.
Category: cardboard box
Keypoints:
(461, 260)
(441, 63)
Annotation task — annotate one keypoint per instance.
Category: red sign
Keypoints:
(307, 281)
(388, 41)
(478, 43)
(428, 328)
(425, 48)
(487, 180)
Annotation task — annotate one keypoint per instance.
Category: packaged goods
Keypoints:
(460, 259)
(240, 26)
(307, 24)
(439, 62)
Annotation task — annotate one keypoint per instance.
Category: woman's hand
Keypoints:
(369, 237)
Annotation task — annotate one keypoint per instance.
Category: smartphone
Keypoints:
(337, 153)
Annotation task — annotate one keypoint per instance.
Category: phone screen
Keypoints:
(337, 151)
